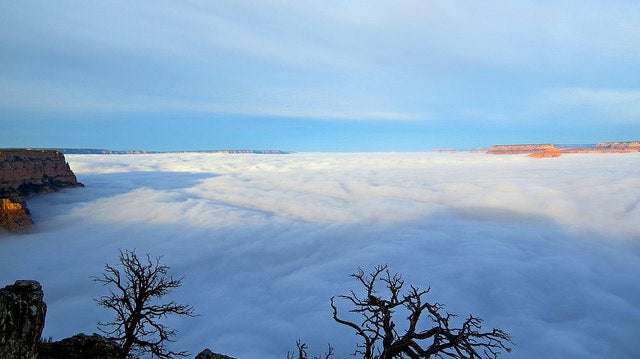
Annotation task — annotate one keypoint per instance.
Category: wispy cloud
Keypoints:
(325, 105)
(615, 104)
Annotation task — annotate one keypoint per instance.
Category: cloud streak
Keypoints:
(616, 104)
(338, 61)
(544, 249)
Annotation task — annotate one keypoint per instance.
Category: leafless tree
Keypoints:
(135, 284)
(301, 352)
(382, 339)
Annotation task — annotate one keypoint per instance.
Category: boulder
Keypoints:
(22, 314)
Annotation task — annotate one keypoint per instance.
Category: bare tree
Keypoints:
(301, 352)
(382, 339)
(134, 286)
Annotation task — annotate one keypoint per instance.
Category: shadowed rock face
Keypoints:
(24, 171)
(22, 314)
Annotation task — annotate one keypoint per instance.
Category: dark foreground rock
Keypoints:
(22, 316)
(208, 354)
(22, 313)
(81, 346)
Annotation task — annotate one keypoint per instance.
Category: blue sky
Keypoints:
(317, 75)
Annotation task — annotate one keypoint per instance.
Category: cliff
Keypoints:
(26, 171)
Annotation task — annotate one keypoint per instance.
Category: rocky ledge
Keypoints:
(26, 171)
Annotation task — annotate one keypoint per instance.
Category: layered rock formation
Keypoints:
(616, 147)
(520, 149)
(547, 153)
(25, 171)
(34, 171)
(22, 313)
(548, 150)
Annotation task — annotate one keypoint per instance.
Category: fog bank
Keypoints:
(546, 249)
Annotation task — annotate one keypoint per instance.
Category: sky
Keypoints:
(547, 250)
(318, 75)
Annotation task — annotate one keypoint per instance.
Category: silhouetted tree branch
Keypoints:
(382, 339)
(301, 352)
(134, 285)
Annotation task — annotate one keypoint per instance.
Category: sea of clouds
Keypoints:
(546, 249)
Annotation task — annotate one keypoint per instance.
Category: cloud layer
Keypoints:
(545, 249)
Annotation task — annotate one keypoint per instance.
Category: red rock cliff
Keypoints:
(520, 149)
(24, 171)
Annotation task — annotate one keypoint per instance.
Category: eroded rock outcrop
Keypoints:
(14, 216)
(23, 172)
(22, 313)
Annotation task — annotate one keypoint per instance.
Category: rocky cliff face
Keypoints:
(24, 171)
(22, 313)
(34, 171)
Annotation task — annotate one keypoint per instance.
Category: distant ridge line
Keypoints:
(550, 150)
(96, 151)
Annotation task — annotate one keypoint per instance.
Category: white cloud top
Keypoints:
(545, 249)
